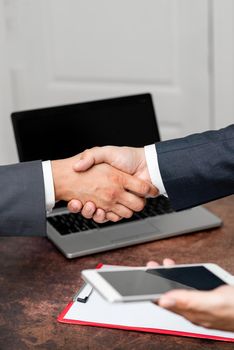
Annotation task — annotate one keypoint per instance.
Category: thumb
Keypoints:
(84, 164)
(184, 300)
(90, 157)
(174, 299)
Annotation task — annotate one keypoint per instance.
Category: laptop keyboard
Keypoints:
(70, 223)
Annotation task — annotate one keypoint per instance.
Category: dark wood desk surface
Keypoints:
(36, 282)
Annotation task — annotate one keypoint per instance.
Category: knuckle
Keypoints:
(73, 210)
(112, 217)
(86, 214)
(110, 195)
(114, 178)
(189, 307)
(88, 152)
(70, 207)
(140, 205)
(206, 324)
(128, 214)
(100, 214)
(85, 154)
(98, 219)
(145, 187)
(96, 148)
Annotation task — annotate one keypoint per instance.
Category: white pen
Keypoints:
(83, 294)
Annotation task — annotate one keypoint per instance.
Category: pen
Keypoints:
(84, 293)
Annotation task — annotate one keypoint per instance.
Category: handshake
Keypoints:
(104, 183)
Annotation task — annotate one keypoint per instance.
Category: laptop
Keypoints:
(63, 131)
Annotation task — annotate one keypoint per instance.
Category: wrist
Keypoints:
(142, 164)
(60, 171)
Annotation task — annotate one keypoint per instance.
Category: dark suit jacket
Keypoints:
(22, 200)
(199, 168)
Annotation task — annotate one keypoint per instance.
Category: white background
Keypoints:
(61, 51)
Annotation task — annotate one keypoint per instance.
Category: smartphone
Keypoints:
(142, 283)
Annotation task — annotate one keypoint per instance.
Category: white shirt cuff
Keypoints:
(48, 185)
(153, 167)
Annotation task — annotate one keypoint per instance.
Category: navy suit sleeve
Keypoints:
(22, 200)
(199, 168)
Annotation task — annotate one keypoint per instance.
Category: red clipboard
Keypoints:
(75, 320)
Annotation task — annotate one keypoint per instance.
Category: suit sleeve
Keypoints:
(22, 200)
(199, 168)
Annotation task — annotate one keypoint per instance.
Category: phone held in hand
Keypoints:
(143, 283)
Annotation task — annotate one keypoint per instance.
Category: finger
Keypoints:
(74, 206)
(176, 301)
(168, 262)
(152, 263)
(84, 163)
(138, 186)
(198, 307)
(122, 211)
(88, 210)
(95, 155)
(132, 201)
(153, 192)
(100, 216)
(113, 217)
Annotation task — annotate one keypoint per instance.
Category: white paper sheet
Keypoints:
(135, 314)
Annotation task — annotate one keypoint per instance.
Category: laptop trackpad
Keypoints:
(117, 235)
(128, 232)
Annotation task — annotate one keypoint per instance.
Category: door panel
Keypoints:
(65, 51)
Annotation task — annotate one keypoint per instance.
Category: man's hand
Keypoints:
(212, 309)
(130, 160)
(127, 159)
(108, 188)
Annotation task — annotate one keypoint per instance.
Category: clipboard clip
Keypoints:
(83, 293)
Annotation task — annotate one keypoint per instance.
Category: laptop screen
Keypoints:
(60, 132)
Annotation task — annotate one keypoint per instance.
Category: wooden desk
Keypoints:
(37, 282)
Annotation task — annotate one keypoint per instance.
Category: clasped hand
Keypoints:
(106, 183)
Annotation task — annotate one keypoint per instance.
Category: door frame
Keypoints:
(7, 144)
(222, 53)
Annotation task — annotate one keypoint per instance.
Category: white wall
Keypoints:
(7, 145)
(62, 51)
(223, 58)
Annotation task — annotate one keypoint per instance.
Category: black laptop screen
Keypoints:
(59, 132)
